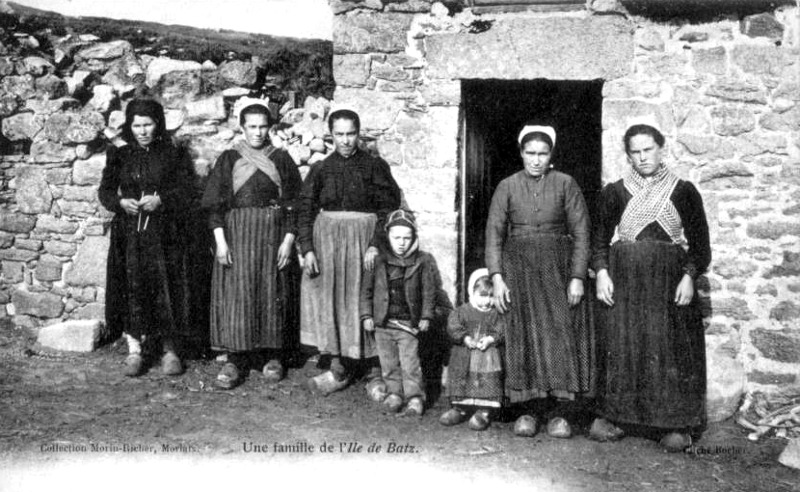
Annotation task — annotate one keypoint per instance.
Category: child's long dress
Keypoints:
(475, 377)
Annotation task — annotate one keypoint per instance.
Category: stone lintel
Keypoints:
(531, 48)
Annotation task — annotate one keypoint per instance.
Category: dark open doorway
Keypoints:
(494, 113)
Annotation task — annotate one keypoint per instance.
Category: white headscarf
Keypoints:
(547, 130)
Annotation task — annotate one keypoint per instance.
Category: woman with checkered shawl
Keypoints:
(648, 248)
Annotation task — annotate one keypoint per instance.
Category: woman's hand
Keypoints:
(575, 291)
(484, 343)
(223, 254)
(150, 203)
(369, 324)
(369, 258)
(310, 264)
(502, 296)
(605, 287)
(130, 206)
(685, 291)
(285, 251)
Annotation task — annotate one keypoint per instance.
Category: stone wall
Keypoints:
(725, 92)
(60, 109)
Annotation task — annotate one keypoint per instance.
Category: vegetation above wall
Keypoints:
(301, 65)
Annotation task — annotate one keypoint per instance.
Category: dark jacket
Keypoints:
(420, 289)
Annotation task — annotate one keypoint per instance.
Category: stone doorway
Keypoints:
(494, 112)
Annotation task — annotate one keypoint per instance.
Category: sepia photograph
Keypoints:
(398, 245)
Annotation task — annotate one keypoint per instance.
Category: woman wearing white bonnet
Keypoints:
(537, 252)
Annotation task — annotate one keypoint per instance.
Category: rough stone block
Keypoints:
(33, 193)
(178, 88)
(73, 336)
(415, 6)
(80, 193)
(760, 377)
(708, 146)
(94, 310)
(22, 126)
(599, 47)
(762, 25)
(50, 224)
(51, 87)
(755, 143)
(41, 305)
(239, 73)
(734, 90)
(790, 267)
(780, 345)
(8, 105)
(351, 70)
(785, 311)
(13, 254)
(710, 60)
(786, 121)
(758, 59)
(77, 209)
(29, 244)
(649, 39)
(378, 110)
(6, 239)
(616, 113)
(89, 266)
(735, 269)
(103, 98)
(725, 386)
(21, 86)
(105, 51)
(48, 270)
(368, 33)
(788, 89)
(16, 222)
(158, 67)
(732, 120)
(733, 307)
(58, 177)
(772, 230)
(13, 272)
(44, 152)
(212, 108)
(725, 170)
(89, 171)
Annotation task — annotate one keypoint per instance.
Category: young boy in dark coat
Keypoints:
(397, 302)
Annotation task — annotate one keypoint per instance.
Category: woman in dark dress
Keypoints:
(146, 184)
(654, 362)
(537, 251)
(250, 197)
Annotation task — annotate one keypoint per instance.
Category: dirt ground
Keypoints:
(73, 419)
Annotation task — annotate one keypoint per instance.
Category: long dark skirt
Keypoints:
(549, 347)
(654, 351)
(253, 304)
(329, 313)
(146, 279)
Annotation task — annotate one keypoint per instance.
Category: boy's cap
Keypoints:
(403, 218)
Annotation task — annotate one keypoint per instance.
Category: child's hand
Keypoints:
(469, 342)
(369, 325)
(424, 324)
(484, 343)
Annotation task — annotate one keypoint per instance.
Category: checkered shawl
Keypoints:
(650, 202)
